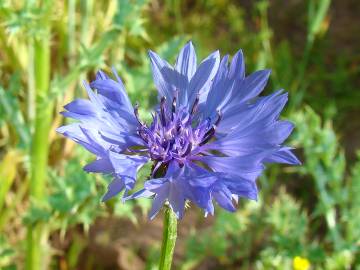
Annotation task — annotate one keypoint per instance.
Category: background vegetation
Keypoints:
(50, 211)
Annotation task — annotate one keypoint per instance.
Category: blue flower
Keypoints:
(208, 141)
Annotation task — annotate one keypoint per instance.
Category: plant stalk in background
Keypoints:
(40, 146)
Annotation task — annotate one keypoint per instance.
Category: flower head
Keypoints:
(209, 138)
(300, 263)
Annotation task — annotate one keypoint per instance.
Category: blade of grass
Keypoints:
(13, 115)
(10, 211)
(316, 17)
(86, 7)
(71, 31)
(7, 173)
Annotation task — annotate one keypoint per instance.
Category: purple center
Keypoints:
(175, 134)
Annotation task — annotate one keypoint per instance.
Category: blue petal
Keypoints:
(93, 97)
(143, 193)
(241, 187)
(94, 141)
(250, 87)
(121, 139)
(86, 138)
(81, 106)
(245, 167)
(101, 165)
(157, 65)
(222, 91)
(159, 200)
(237, 67)
(242, 115)
(204, 74)
(114, 188)
(118, 78)
(256, 138)
(125, 165)
(170, 188)
(176, 198)
(224, 198)
(205, 186)
(264, 133)
(101, 75)
(155, 185)
(166, 189)
(283, 155)
(175, 79)
(200, 186)
(113, 91)
(107, 113)
(219, 90)
(186, 61)
(201, 196)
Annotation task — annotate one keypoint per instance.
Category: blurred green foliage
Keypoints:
(310, 211)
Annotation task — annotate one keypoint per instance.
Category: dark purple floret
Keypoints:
(209, 139)
(174, 135)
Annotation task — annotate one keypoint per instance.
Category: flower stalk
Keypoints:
(169, 239)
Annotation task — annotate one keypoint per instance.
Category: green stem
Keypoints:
(36, 238)
(40, 146)
(31, 86)
(169, 239)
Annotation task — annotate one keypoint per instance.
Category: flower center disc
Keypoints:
(175, 135)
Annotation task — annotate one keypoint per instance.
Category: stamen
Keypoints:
(219, 115)
(188, 150)
(208, 121)
(156, 167)
(195, 105)
(136, 112)
(208, 135)
(162, 111)
(173, 108)
(143, 134)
